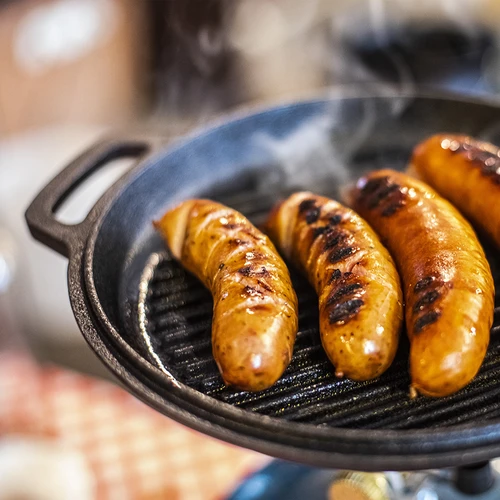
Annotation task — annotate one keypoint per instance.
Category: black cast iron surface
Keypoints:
(149, 321)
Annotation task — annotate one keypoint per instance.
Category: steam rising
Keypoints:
(317, 154)
(305, 155)
(322, 153)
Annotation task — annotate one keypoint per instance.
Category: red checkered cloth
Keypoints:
(132, 451)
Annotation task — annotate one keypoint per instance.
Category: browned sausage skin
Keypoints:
(447, 282)
(360, 299)
(466, 172)
(255, 317)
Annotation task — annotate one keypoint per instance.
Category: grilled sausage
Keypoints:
(466, 172)
(255, 317)
(360, 299)
(448, 287)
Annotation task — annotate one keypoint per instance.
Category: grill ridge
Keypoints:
(178, 312)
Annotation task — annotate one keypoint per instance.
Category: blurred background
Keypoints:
(72, 70)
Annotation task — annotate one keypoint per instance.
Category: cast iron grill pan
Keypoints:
(179, 313)
(140, 311)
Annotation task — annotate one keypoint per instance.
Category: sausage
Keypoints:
(447, 282)
(467, 173)
(360, 298)
(255, 316)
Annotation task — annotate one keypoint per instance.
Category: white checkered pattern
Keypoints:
(134, 452)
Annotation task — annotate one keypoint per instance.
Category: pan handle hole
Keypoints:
(75, 208)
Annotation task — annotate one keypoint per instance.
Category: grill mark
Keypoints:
(381, 194)
(343, 291)
(251, 270)
(312, 215)
(332, 235)
(488, 162)
(373, 184)
(318, 231)
(256, 257)
(345, 311)
(392, 209)
(252, 291)
(336, 274)
(245, 271)
(423, 283)
(426, 319)
(238, 242)
(341, 253)
(384, 193)
(306, 205)
(264, 285)
(310, 210)
(335, 220)
(427, 299)
(333, 238)
(249, 232)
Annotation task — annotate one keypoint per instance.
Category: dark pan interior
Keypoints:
(165, 314)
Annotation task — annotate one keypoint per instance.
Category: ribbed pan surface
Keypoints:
(178, 313)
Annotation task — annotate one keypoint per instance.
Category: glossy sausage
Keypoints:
(255, 317)
(360, 298)
(448, 287)
(466, 172)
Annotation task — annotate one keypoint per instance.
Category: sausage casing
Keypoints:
(466, 172)
(360, 299)
(447, 281)
(255, 317)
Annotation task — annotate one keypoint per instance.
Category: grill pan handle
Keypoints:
(40, 215)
